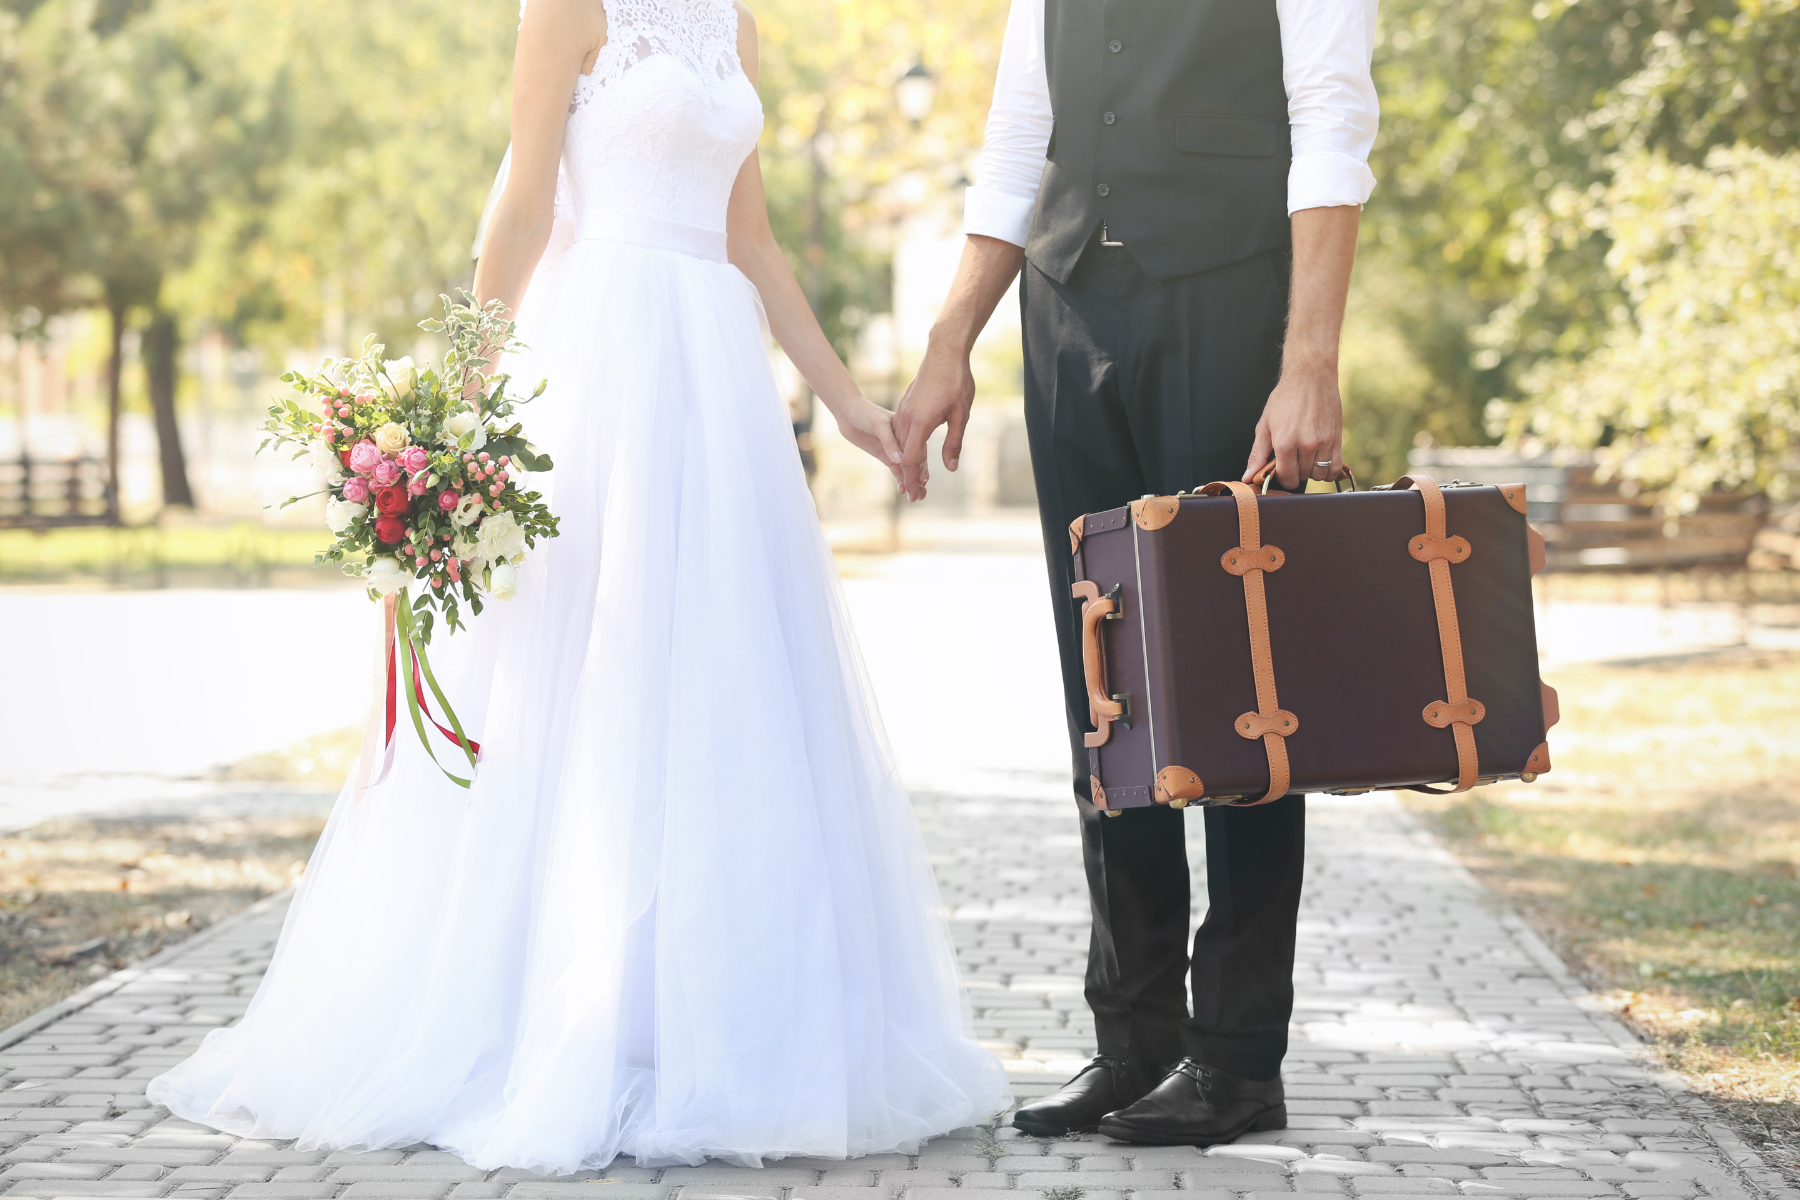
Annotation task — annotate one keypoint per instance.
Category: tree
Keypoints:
(1498, 114)
(1694, 383)
(161, 125)
(834, 145)
(391, 120)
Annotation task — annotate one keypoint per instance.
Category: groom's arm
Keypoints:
(996, 217)
(944, 388)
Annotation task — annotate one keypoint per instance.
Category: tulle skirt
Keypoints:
(685, 911)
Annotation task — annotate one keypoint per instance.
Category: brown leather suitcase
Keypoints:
(1240, 646)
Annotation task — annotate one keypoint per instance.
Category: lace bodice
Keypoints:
(664, 120)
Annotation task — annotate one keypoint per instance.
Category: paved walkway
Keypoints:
(1439, 1049)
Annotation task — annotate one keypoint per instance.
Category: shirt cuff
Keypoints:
(1327, 179)
(997, 214)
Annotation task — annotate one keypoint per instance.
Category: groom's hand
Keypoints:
(940, 394)
(1302, 426)
(1301, 430)
(944, 388)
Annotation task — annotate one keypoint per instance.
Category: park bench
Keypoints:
(55, 493)
(1589, 525)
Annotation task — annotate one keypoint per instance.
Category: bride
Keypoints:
(685, 911)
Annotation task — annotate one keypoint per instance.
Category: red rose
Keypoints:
(345, 455)
(390, 529)
(392, 501)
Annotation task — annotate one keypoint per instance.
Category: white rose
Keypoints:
(390, 438)
(460, 424)
(467, 510)
(404, 375)
(325, 461)
(386, 575)
(503, 581)
(500, 538)
(341, 514)
(465, 549)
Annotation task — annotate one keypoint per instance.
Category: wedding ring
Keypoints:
(1326, 463)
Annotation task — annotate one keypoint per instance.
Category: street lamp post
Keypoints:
(915, 91)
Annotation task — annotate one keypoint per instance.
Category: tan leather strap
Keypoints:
(1103, 710)
(1437, 550)
(1251, 560)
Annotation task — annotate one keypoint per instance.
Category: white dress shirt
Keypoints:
(1326, 46)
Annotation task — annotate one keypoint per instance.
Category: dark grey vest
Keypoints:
(1171, 126)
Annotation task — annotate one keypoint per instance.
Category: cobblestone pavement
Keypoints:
(1439, 1049)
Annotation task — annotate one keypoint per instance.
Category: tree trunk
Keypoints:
(162, 342)
(115, 370)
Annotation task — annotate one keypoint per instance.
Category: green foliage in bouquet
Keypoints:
(423, 469)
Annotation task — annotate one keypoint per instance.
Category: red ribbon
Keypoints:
(393, 710)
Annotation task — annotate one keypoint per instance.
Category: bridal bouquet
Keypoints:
(424, 473)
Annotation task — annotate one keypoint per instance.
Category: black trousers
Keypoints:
(1135, 387)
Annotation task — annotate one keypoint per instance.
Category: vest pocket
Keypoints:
(1236, 137)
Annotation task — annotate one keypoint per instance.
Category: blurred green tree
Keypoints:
(390, 121)
(837, 153)
(127, 125)
(1694, 382)
(1496, 114)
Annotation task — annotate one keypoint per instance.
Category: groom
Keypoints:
(1180, 181)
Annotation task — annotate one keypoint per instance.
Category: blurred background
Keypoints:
(1579, 270)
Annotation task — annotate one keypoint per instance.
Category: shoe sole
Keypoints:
(1263, 1122)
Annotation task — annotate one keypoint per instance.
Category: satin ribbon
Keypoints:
(400, 642)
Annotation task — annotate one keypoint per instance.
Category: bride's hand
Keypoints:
(870, 428)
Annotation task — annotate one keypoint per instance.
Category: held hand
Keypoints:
(870, 428)
(940, 394)
(1301, 430)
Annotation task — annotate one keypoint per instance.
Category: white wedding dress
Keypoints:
(685, 911)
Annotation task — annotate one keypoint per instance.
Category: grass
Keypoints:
(325, 759)
(240, 554)
(1659, 857)
(80, 898)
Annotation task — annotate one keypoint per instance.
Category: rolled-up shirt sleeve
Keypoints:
(1011, 169)
(1326, 47)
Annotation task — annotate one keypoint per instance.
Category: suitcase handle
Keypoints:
(1267, 474)
(1103, 710)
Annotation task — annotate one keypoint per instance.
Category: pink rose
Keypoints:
(446, 501)
(414, 459)
(356, 489)
(387, 473)
(416, 485)
(364, 457)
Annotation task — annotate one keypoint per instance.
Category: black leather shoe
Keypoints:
(1198, 1105)
(1100, 1087)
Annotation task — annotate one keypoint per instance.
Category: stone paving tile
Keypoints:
(1438, 1049)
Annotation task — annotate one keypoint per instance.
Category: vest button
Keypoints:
(1115, 45)
(1103, 189)
(1109, 118)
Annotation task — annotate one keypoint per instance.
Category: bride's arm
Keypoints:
(557, 38)
(753, 250)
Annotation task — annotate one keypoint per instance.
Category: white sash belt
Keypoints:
(655, 233)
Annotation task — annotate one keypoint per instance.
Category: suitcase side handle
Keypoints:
(1103, 710)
